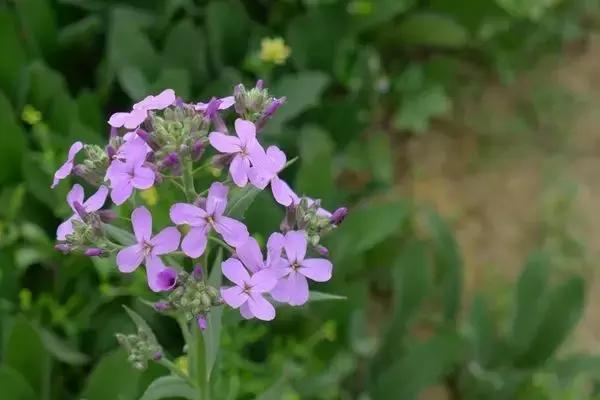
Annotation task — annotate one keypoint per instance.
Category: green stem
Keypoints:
(176, 371)
(188, 180)
(221, 243)
(200, 374)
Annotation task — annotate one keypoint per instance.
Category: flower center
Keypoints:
(295, 265)
(247, 288)
(147, 248)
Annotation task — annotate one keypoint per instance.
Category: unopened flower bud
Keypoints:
(202, 322)
(106, 215)
(197, 150)
(63, 247)
(260, 84)
(197, 273)
(338, 215)
(111, 152)
(322, 250)
(157, 356)
(94, 252)
(80, 209)
(269, 111)
(161, 306)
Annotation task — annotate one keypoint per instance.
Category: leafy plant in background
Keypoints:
(386, 67)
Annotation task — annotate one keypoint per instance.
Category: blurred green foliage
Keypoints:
(359, 73)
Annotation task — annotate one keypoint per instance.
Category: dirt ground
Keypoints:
(524, 176)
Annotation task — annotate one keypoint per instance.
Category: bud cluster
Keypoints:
(256, 104)
(93, 168)
(140, 348)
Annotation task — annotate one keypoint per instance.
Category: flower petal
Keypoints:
(135, 118)
(233, 231)
(162, 100)
(121, 192)
(165, 241)
(281, 292)
(117, 120)
(234, 296)
(183, 213)
(249, 253)
(66, 228)
(245, 130)
(226, 102)
(317, 269)
(295, 246)
(245, 311)
(160, 277)
(143, 178)
(97, 200)
(194, 243)
(141, 220)
(130, 258)
(75, 195)
(277, 157)
(261, 308)
(282, 192)
(274, 247)
(298, 289)
(235, 272)
(216, 202)
(224, 143)
(239, 170)
(263, 281)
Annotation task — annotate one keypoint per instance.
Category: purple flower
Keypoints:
(247, 294)
(128, 174)
(148, 249)
(292, 286)
(251, 256)
(93, 203)
(265, 170)
(225, 103)
(134, 118)
(202, 220)
(245, 149)
(202, 323)
(67, 167)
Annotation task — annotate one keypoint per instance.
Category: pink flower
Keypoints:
(292, 286)
(148, 249)
(93, 203)
(134, 118)
(67, 167)
(131, 173)
(247, 294)
(203, 220)
(244, 148)
(265, 170)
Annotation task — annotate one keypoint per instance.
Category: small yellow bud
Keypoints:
(149, 196)
(274, 50)
(30, 115)
(182, 364)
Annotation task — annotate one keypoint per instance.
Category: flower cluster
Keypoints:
(163, 141)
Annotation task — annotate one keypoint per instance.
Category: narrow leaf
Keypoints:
(169, 387)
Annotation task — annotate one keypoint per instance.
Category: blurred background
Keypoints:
(462, 134)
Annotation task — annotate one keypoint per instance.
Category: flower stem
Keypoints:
(188, 179)
(176, 371)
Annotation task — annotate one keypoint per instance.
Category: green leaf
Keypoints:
(530, 301)
(378, 12)
(379, 151)
(128, 46)
(563, 310)
(432, 30)
(576, 365)
(14, 58)
(303, 91)
(177, 79)
(38, 25)
(227, 25)
(14, 386)
(423, 365)
(167, 387)
(448, 264)
(314, 295)
(212, 333)
(418, 108)
(240, 199)
(177, 54)
(81, 31)
(140, 323)
(532, 9)
(133, 82)
(122, 236)
(12, 143)
(112, 378)
(315, 175)
(26, 354)
(367, 226)
(482, 332)
(61, 350)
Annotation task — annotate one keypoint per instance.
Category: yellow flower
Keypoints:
(182, 364)
(30, 115)
(149, 196)
(274, 50)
